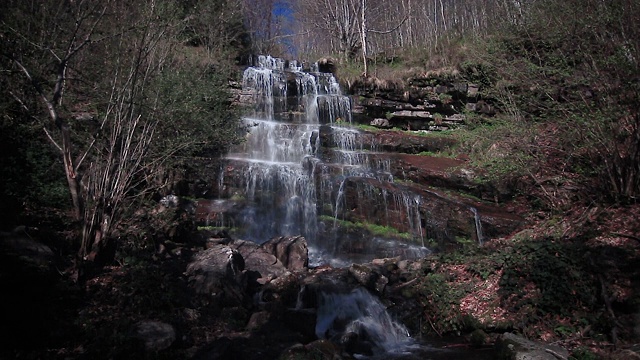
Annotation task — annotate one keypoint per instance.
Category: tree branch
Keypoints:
(50, 107)
(52, 140)
(390, 30)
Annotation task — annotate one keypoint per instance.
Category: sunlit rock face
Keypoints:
(305, 169)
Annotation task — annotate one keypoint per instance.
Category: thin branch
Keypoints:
(50, 107)
(390, 30)
(52, 140)
(24, 106)
(289, 35)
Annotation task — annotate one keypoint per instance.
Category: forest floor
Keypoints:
(573, 282)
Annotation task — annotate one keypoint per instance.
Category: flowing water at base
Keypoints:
(362, 324)
(280, 180)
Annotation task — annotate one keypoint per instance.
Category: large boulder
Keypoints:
(263, 265)
(514, 347)
(369, 277)
(319, 349)
(219, 272)
(21, 244)
(155, 335)
(327, 65)
(291, 251)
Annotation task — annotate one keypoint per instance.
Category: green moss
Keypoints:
(212, 228)
(374, 229)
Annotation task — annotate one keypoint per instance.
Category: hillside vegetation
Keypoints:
(105, 106)
(565, 141)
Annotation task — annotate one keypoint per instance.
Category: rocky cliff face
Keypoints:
(432, 102)
(408, 117)
(353, 186)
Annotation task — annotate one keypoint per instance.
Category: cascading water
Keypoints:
(359, 318)
(282, 175)
(478, 224)
(282, 178)
(276, 165)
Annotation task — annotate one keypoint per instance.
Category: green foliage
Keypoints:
(349, 71)
(445, 99)
(501, 148)
(31, 174)
(480, 73)
(195, 112)
(566, 69)
(583, 353)
(368, 128)
(373, 229)
(440, 298)
(559, 272)
(126, 109)
(539, 279)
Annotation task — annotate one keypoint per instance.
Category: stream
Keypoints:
(282, 182)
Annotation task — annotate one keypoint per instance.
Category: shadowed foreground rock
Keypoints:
(514, 347)
(219, 272)
(155, 335)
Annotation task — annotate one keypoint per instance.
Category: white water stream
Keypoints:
(285, 179)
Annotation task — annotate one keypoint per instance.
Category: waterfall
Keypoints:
(410, 203)
(361, 319)
(275, 166)
(302, 159)
(478, 225)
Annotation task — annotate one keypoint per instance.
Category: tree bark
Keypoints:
(363, 34)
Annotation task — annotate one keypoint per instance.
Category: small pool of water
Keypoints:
(440, 350)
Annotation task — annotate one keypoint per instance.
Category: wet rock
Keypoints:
(155, 335)
(381, 123)
(219, 272)
(284, 289)
(258, 319)
(369, 277)
(317, 350)
(258, 260)
(353, 344)
(291, 251)
(302, 321)
(510, 346)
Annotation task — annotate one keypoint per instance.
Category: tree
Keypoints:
(335, 26)
(98, 70)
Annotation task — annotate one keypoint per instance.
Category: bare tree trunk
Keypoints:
(363, 33)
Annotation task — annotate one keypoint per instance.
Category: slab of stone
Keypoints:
(515, 347)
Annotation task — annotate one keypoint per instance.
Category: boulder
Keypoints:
(327, 65)
(291, 251)
(514, 347)
(264, 265)
(219, 272)
(20, 243)
(155, 335)
(381, 123)
(319, 349)
(369, 277)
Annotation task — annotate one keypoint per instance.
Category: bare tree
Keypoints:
(339, 27)
(86, 19)
(98, 70)
(120, 162)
